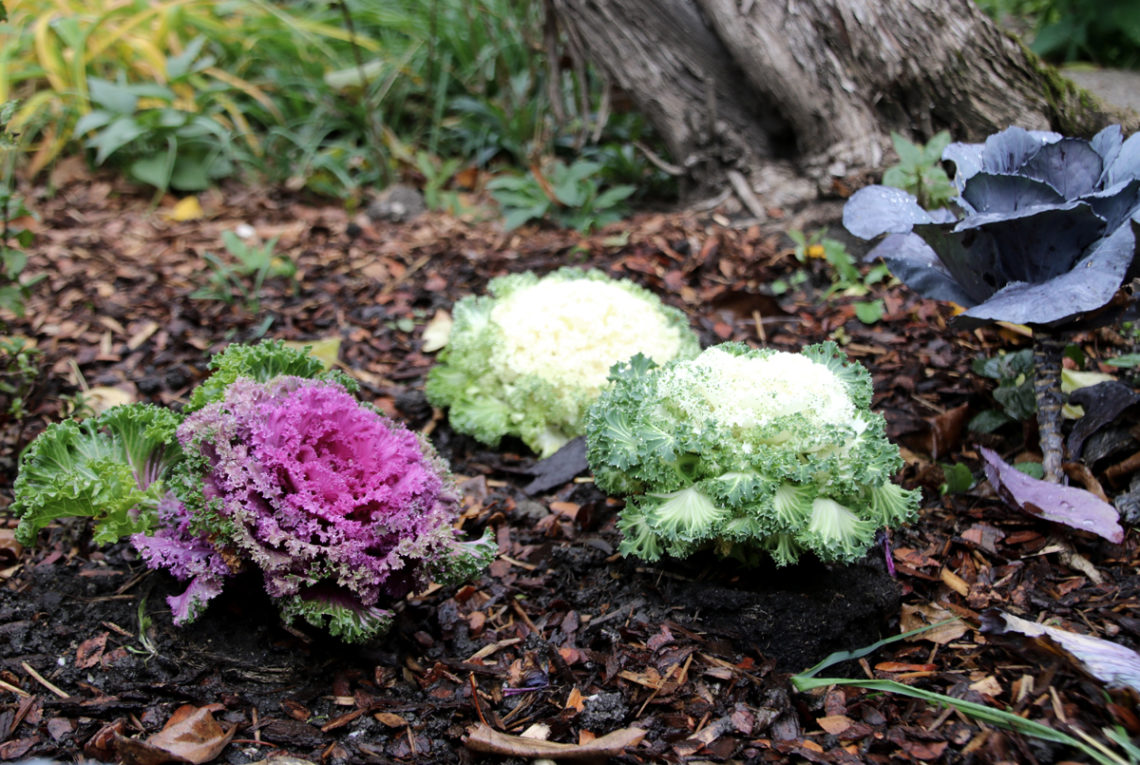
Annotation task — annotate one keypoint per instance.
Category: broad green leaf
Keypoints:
(115, 136)
(114, 97)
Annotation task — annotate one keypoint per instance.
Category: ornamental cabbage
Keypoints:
(1044, 232)
(342, 510)
(529, 359)
(745, 451)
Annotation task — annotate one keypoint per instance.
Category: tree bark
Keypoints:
(812, 88)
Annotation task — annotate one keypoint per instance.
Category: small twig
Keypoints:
(14, 689)
(747, 196)
(40, 679)
(657, 161)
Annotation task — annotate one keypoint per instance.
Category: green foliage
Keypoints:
(19, 370)
(111, 468)
(530, 357)
(919, 171)
(957, 478)
(1000, 718)
(14, 239)
(314, 95)
(143, 129)
(437, 174)
(261, 362)
(747, 452)
(1105, 32)
(846, 277)
(1014, 391)
(570, 196)
(244, 274)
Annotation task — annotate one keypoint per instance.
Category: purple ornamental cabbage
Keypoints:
(341, 509)
(1045, 234)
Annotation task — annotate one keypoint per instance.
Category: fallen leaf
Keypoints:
(575, 701)
(1060, 504)
(436, 332)
(101, 398)
(1109, 662)
(835, 724)
(10, 549)
(954, 582)
(483, 738)
(190, 735)
(1102, 404)
(558, 468)
(187, 208)
(913, 617)
(325, 350)
(901, 666)
(987, 686)
(90, 651)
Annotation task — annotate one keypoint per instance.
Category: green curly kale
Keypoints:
(112, 468)
(744, 451)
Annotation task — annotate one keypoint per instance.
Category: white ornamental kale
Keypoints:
(1044, 234)
(529, 358)
(744, 451)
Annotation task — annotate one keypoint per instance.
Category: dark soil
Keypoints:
(561, 631)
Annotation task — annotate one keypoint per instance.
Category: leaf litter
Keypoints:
(562, 638)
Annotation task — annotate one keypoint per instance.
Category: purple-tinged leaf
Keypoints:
(1070, 166)
(967, 159)
(1107, 144)
(989, 193)
(1126, 166)
(1053, 502)
(1116, 204)
(878, 210)
(988, 251)
(1114, 665)
(1007, 151)
(1103, 404)
(1089, 286)
(912, 261)
(186, 607)
(558, 468)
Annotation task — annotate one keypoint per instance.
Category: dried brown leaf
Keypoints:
(482, 738)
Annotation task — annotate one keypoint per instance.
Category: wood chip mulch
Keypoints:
(563, 649)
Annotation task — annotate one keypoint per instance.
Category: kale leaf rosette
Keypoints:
(1045, 231)
(530, 357)
(342, 510)
(747, 451)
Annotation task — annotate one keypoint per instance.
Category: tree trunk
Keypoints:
(812, 88)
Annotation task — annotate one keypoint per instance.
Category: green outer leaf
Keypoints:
(352, 624)
(111, 468)
(261, 362)
(764, 483)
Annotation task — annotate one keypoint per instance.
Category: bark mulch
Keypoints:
(562, 638)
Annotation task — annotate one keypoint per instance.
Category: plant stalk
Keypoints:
(1047, 351)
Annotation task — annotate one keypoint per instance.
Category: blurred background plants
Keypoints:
(1103, 32)
(335, 98)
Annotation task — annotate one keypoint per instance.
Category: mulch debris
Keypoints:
(562, 649)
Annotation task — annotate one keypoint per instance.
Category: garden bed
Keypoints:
(561, 631)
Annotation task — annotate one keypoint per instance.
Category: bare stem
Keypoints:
(1047, 350)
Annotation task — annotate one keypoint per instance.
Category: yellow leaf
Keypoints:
(187, 208)
(437, 332)
(325, 350)
(1072, 379)
(101, 398)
